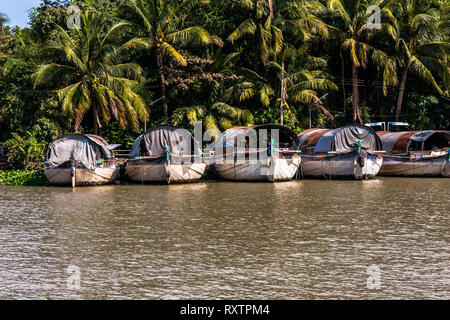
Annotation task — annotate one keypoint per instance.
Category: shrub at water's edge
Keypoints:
(23, 178)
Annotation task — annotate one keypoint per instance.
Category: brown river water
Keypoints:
(308, 239)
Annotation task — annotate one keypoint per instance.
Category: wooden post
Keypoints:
(168, 154)
(168, 164)
(73, 173)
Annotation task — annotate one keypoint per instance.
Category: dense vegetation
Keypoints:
(223, 62)
(23, 178)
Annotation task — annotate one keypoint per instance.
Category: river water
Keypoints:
(308, 239)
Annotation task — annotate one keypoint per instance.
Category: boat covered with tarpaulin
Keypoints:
(416, 153)
(165, 154)
(256, 153)
(80, 160)
(349, 152)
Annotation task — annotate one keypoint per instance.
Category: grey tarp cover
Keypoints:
(230, 135)
(155, 140)
(83, 148)
(345, 139)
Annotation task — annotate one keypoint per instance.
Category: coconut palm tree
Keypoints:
(218, 116)
(352, 28)
(422, 43)
(93, 77)
(3, 20)
(305, 78)
(251, 85)
(267, 37)
(159, 25)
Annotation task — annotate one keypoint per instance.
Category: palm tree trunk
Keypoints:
(401, 92)
(95, 118)
(162, 80)
(343, 80)
(355, 97)
(282, 95)
(258, 33)
(271, 9)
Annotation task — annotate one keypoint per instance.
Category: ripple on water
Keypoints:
(307, 239)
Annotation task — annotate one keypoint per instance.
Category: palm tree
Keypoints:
(351, 26)
(300, 21)
(251, 85)
(3, 20)
(268, 38)
(218, 116)
(93, 77)
(305, 78)
(301, 73)
(422, 43)
(159, 24)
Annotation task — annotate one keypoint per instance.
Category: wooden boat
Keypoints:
(276, 158)
(349, 152)
(81, 160)
(165, 154)
(416, 153)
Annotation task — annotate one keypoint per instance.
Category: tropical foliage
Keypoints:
(93, 76)
(132, 64)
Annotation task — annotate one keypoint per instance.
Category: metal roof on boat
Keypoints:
(399, 142)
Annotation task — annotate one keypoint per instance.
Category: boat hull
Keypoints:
(272, 170)
(146, 172)
(341, 166)
(83, 177)
(409, 167)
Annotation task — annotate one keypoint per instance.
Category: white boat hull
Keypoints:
(272, 170)
(83, 177)
(144, 171)
(341, 166)
(409, 167)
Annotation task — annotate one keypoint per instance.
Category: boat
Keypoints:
(349, 152)
(165, 154)
(416, 153)
(256, 153)
(81, 160)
